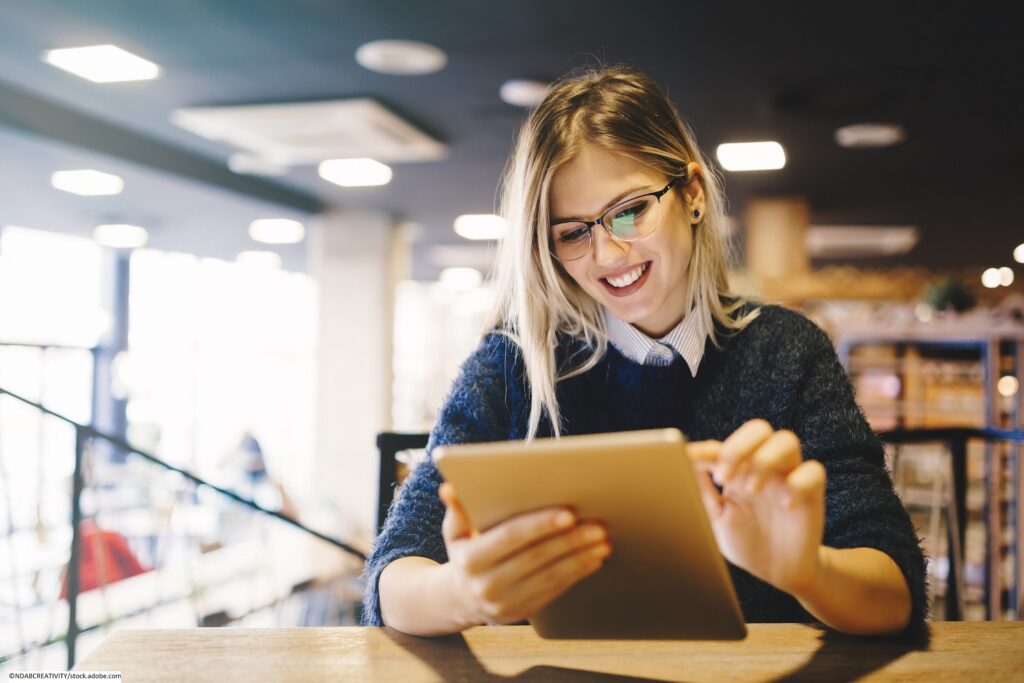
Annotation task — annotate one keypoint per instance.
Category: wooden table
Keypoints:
(958, 651)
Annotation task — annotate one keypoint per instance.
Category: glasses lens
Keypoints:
(571, 240)
(635, 218)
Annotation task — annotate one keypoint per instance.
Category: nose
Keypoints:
(607, 249)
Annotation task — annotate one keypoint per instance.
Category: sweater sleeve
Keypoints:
(861, 507)
(476, 410)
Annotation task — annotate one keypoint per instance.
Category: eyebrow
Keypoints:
(607, 206)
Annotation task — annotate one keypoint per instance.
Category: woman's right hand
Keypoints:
(511, 571)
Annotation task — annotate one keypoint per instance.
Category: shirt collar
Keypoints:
(688, 338)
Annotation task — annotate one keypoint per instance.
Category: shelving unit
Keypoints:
(920, 378)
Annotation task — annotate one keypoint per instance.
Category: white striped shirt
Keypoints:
(688, 339)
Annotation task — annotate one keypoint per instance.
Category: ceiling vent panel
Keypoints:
(860, 241)
(305, 133)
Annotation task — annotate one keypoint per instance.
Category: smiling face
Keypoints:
(641, 282)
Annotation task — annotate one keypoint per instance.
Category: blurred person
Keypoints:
(614, 314)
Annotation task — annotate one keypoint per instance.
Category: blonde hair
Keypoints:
(617, 109)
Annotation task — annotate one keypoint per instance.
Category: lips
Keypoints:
(630, 288)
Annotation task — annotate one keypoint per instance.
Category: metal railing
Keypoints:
(84, 434)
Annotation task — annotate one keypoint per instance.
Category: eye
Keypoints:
(631, 212)
(574, 235)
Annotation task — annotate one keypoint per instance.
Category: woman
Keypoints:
(613, 314)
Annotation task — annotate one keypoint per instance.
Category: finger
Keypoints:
(709, 494)
(704, 453)
(779, 455)
(543, 586)
(543, 553)
(511, 536)
(805, 484)
(740, 445)
(456, 522)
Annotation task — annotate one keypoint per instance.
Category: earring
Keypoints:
(696, 213)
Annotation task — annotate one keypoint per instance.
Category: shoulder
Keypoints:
(778, 324)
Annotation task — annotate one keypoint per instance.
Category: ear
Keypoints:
(693, 192)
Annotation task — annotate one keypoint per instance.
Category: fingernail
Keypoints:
(564, 519)
(603, 550)
(593, 534)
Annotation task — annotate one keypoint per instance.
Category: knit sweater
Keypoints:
(781, 367)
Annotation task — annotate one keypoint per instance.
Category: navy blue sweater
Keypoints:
(781, 367)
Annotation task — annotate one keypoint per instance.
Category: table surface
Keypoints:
(957, 651)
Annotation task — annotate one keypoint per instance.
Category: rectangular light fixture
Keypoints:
(277, 231)
(355, 172)
(87, 182)
(485, 226)
(120, 236)
(751, 156)
(102, 63)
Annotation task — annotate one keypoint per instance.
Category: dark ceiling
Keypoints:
(792, 72)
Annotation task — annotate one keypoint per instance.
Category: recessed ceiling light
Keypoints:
(259, 259)
(1005, 276)
(251, 164)
(523, 93)
(277, 231)
(860, 135)
(120, 236)
(87, 182)
(355, 172)
(401, 57)
(485, 226)
(102, 63)
(991, 278)
(751, 156)
(1018, 253)
(460, 279)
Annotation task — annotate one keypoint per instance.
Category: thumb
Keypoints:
(456, 522)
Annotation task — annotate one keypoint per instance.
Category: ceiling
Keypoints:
(791, 72)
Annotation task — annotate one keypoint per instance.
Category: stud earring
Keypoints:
(696, 213)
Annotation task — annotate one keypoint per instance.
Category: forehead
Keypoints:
(584, 185)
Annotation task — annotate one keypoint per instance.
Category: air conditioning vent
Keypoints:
(851, 241)
(303, 133)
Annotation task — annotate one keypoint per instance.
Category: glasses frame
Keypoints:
(600, 220)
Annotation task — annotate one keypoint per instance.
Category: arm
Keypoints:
(413, 525)
(419, 597)
(871, 556)
(810, 508)
(859, 591)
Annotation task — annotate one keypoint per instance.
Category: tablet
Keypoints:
(665, 578)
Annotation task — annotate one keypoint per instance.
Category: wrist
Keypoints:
(810, 590)
(463, 613)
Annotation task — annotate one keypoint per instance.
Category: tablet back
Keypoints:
(665, 578)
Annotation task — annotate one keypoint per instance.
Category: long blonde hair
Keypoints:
(617, 109)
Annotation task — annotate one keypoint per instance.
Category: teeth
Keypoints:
(628, 278)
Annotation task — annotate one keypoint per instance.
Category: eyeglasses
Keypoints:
(629, 221)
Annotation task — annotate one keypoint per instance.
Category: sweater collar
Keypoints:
(688, 338)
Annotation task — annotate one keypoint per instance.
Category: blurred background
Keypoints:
(246, 245)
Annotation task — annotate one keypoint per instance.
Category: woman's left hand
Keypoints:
(770, 516)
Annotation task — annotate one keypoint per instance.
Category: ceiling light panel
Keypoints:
(480, 226)
(751, 156)
(102, 64)
(120, 236)
(401, 57)
(277, 231)
(87, 182)
(355, 172)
